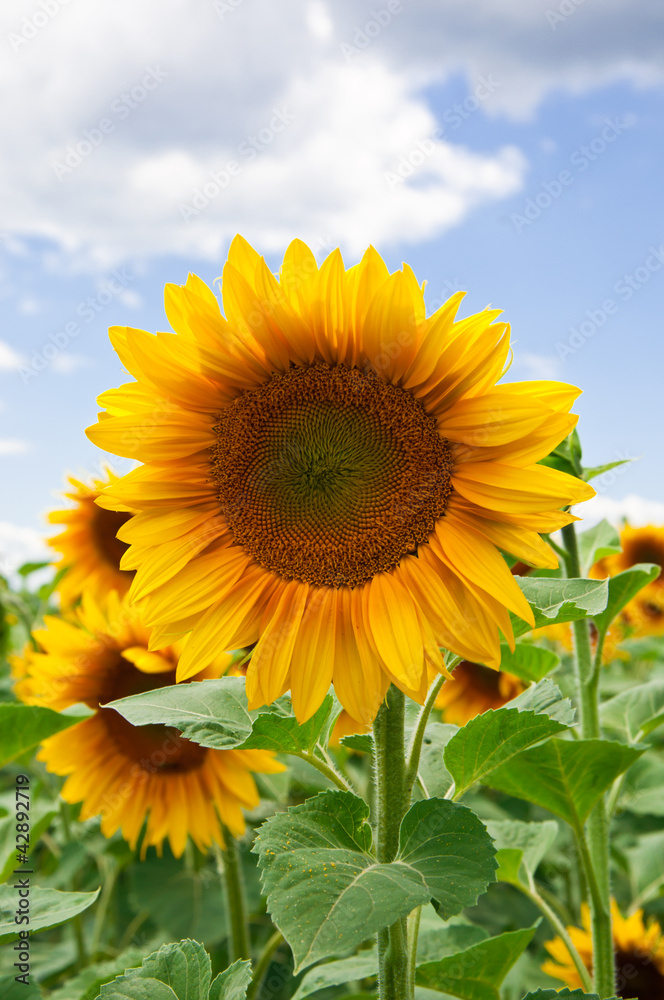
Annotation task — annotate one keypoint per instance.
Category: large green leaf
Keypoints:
(213, 712)
(566, 777)
(11, 990)
(635, 712)
(284, 734)
(327, 893)
(491, 740)
(181, 970)
(642, 791)
(48, 908)
(556, 601)
(346, 970)
(597, 542)
(527, 661)
(622, 588)
(477, 972)
(23, 727)
(520, 844)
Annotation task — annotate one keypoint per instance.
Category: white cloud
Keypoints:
(9, 358)
(20, 545)
(67, 364)
(13, 446)
(638, 511)
(215, 85)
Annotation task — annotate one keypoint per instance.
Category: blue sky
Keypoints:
(510, 149)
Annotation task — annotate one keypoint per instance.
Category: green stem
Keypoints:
(596, 857)
(109, 870)
(229, 865)
(263, 964)
(561, 931)
(413, 935)
(392, 800)
(76, 923)
(415, 750)
(330, 772)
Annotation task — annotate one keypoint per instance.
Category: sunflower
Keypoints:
(644, 615)
(128, 773)
(639, 954)
(330, 475)
(89, 547)
(473, 689)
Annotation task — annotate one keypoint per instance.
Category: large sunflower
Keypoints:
(129, 774)
(639, 955)
(644, 615)
(329, 474)
(473, 689)
(89, 548)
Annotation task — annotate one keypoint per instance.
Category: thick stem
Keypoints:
(229, 864)
(392, 801)
(596, 857)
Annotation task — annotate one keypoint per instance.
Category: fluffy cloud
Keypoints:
(636, 510)
(130, 132)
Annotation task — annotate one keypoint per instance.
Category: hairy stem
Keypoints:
(392, 801)
(596, 857)
(561, 931)
(415, 749)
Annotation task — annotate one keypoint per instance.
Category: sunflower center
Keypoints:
(638, 976)
(105, 526)
(329, 475)
(156, 749)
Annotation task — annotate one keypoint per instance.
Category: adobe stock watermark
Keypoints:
(365, 34)
(564, 10)
(32, 25)
(223, 7)
(247, 150)
(86, 310)
(580, 160)
(454, 117)
(624, 289)
(120, 110)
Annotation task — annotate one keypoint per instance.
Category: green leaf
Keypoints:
(555, 601)
(545, 698)
(40, 820)
(212, 713)
(232, 983)
(132, 988)
(494, 739)
(622, 588)
(327, 893)
(23, 727)
(477, 972)
(566, 456)
(437, 779)
(635, 712)
(180, 970)
(48, 908)
(360, 742)
(642, 791)
(450, 847)
(565, 777)
(31, 567)
(346, 970)
(284, 734)
(519, 844)
(529, 662)
(597, 470)
(597, 542)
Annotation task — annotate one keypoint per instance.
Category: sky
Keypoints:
(509, 148)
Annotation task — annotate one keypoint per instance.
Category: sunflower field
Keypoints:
(333, 694)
